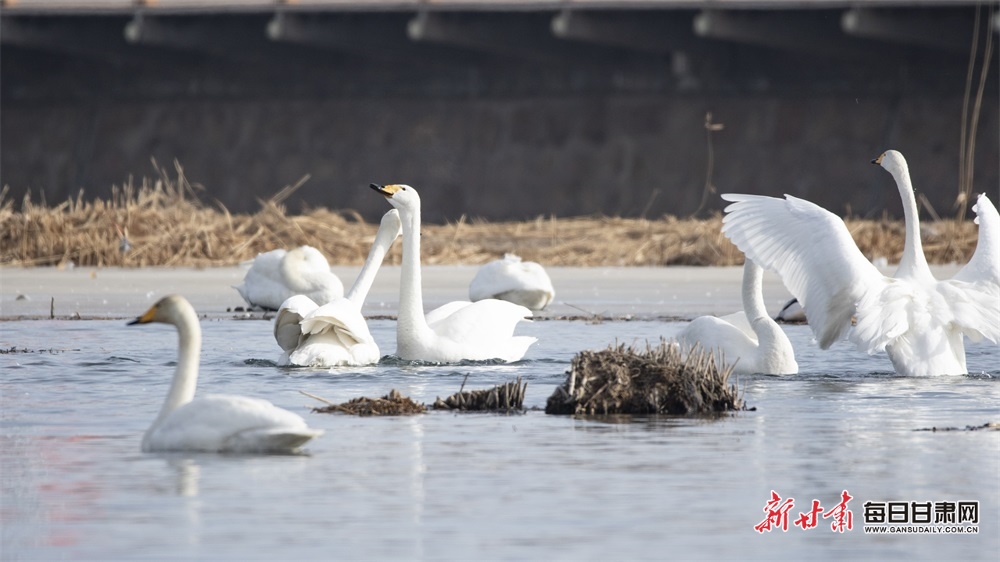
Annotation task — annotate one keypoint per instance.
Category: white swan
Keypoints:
(749, 340)
(277, 275)
(918, 320)
(336, 333)
(457, 331)
(213, 423)
(510, 279)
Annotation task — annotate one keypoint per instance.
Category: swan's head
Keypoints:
(399, 195)
(166, 310)
(893, 162)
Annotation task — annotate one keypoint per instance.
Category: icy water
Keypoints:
(77, 395)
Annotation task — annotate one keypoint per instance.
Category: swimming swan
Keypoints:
(918, 320)
(213, 423)
(750, 338)
(336, 333)
(277, 275)
(510, 279)
(473, 331)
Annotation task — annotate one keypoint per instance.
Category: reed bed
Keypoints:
(508, 397)
(166, 222)
(392, 404)
(655, 380)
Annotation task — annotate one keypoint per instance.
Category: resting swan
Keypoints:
(336, 333)
(510, 279)
(918, 320)
(213, 423)
(277, 275)
(749, 340)
(456, 331)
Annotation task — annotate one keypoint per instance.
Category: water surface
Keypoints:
(76, 396)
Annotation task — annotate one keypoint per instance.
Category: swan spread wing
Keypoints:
(226, 423)
(984, 267)
(813, 253)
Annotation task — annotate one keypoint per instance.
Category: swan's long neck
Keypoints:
(411, 298)
(753, 292)
(770, 338)
(383, 241)
(186, 376)
(913, 263)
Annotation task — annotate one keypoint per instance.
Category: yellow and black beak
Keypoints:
(146, 318)
(879, 159)
(387, 190)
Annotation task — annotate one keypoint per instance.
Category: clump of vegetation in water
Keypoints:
(657, 380)
(501, 398)
(392, 404)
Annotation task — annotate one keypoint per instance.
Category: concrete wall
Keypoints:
(499, 141)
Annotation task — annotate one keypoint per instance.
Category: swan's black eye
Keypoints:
(404, 189)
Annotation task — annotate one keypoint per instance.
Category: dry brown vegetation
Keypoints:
(508, 397)
(657, 380)
(168, 224)
(392, 404)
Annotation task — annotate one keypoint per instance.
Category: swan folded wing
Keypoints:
(287, 331)
(262, 285)
(507, 275)
(487, 326)
(739, 321)
(984, 266)
(328, 349)
(811, 250)
(340, 316)
(444, 311)
(717, 334)
(215, 423)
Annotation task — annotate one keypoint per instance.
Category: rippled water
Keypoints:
(462, 486)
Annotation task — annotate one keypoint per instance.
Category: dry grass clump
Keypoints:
(392, 404)
(166, 223)
(659, 380)
(501, 398)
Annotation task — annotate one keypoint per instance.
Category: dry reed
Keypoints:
(658, 380)
(167, 224)
(507, 397)
(392, 404)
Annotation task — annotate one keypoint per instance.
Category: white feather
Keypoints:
(917, 319)
(278, 275)
(513, 280)
(749, 340)
(457, 331)
(213, 423)
(335, 334)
